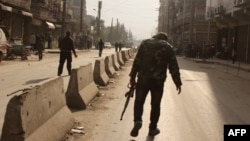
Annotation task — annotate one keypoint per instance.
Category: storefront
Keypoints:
(5, 18)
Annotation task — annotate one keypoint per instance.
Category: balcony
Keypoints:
(219, 10)
(241, 3)
(45, 12)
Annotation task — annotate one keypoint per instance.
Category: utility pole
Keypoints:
(63, 17)
(209, 23)
(111, 31)
(192, 21)
(81, 17)
(99, 18)
(168, 7)
(208, 32)
(183, 25)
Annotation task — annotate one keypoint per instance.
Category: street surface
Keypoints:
(17, 74)
(212, 96)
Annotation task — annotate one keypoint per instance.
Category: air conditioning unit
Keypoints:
(235, 2)
(210, 12)
(215, 10)
(240, 2)
(219, 10)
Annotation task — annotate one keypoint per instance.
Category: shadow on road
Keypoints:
(227, 91)
(35, 81)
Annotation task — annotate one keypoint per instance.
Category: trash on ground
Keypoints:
(79, 128)
(78, 131)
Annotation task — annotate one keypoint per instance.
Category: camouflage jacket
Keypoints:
(153, 58)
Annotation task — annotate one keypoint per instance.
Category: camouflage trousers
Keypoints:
(143, 87)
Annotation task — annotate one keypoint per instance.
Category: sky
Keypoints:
(138, 16)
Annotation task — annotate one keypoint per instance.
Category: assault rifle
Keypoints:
(128, 94)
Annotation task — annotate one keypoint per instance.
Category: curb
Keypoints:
(238, 65)
(58, 51)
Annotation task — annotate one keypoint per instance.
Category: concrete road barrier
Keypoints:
(81, 89)
(115, 62)
(100, 76)
(38, 114)
(119, 59)
(109, 69)
(124, 56)
(127, 55)
(131, 52)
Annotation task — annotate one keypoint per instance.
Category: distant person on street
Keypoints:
(66, 47)
(154, 56)
(100, 46)
(40, 49)
(116, 46)
(50, 42)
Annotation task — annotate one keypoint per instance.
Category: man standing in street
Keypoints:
(154, 56)
(100, 46)
(116, 46)
(66, 46)
(40, 48)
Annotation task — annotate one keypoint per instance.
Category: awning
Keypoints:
(58, 26)
(28, 14)
(36, 22)
(50, 25)
(6, 8)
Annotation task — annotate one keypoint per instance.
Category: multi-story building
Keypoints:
(221, 22)
(163, 15)
(233, 19)
(184, 21)
(20, 18)
(79, 23)
(14, 16)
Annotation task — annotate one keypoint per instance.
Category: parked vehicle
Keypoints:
(4, 46)
(12, 49)
(107, 45)
(18, 49)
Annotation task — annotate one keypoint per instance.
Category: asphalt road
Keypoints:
(211, 97)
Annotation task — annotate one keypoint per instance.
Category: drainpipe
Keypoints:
(23, 24)
(208, 29)
(63, 18)
(81, 16)
(192, 18)
(168, 17)
(247, 43)
(183, 18)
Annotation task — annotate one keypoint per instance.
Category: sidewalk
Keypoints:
(58, 51)
(237, 65)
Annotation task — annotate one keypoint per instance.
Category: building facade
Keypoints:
(223, 23)
(185, 22)
(20, 18)
(14, 16)
(233, 19)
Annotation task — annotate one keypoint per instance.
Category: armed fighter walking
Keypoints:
(154, 56)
